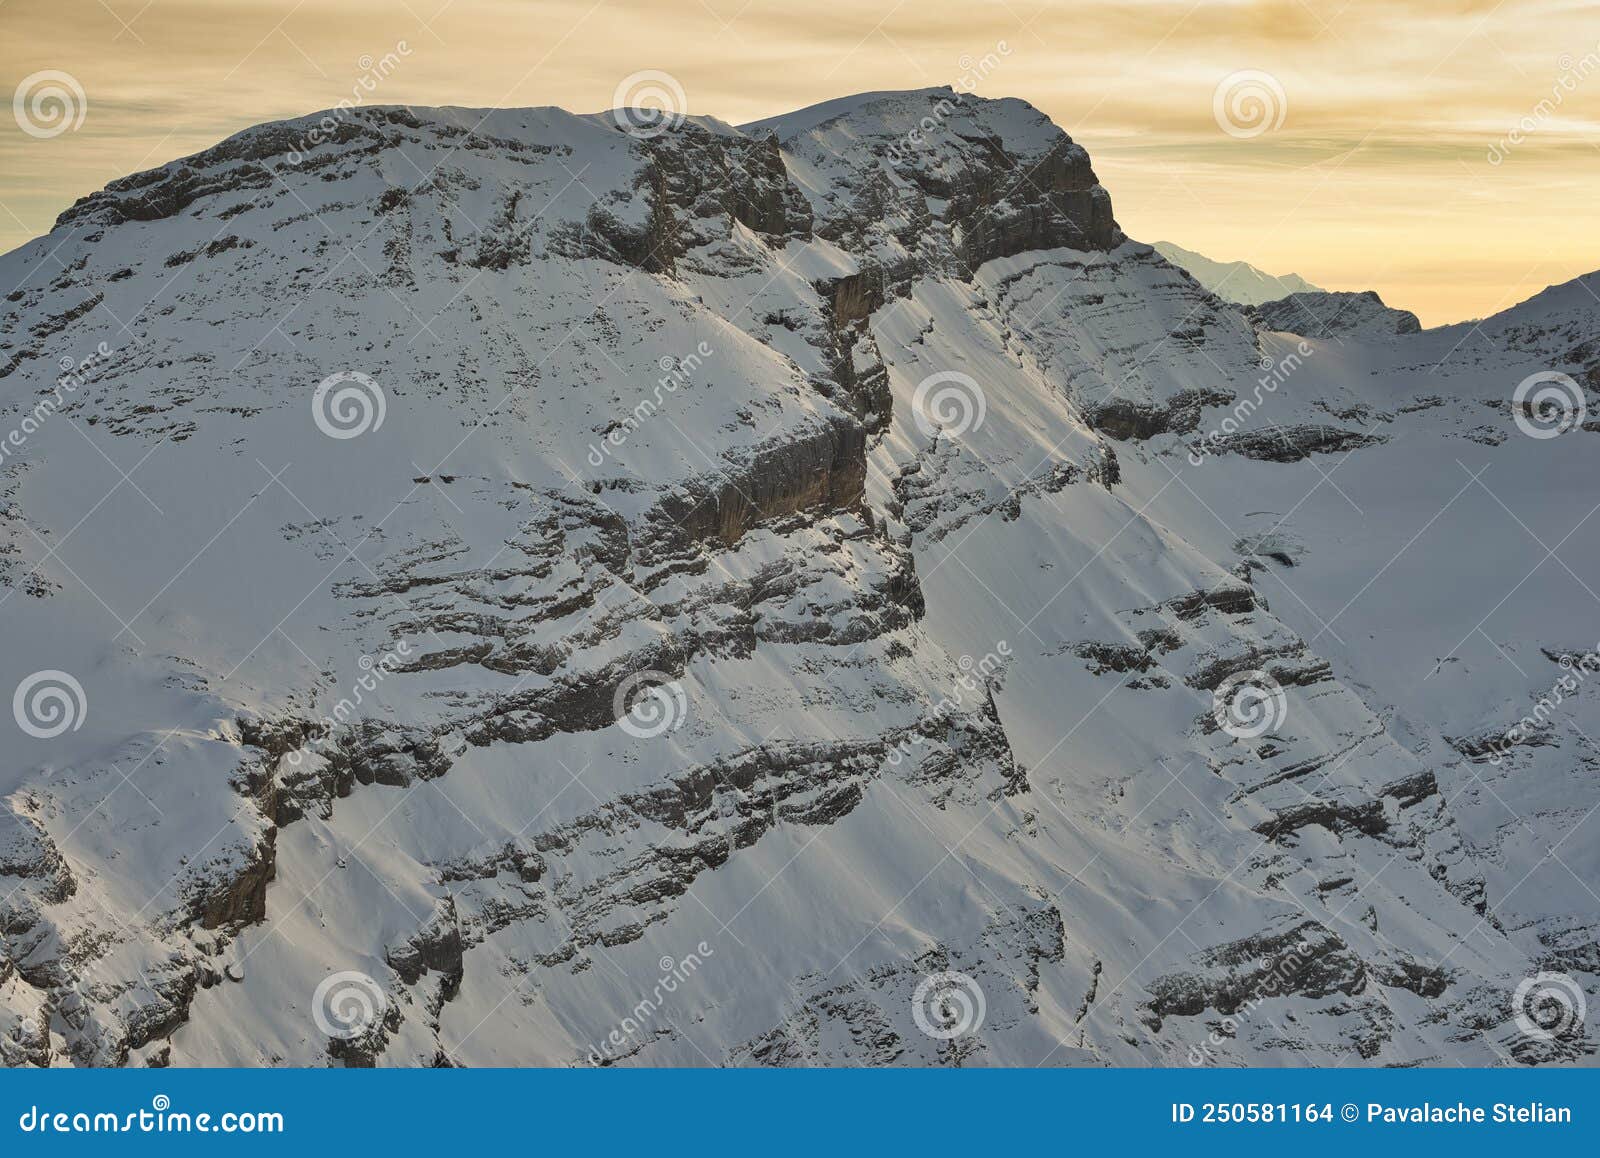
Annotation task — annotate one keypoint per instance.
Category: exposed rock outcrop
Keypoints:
(1329, 315)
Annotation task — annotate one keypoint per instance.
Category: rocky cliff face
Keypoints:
(774, 595)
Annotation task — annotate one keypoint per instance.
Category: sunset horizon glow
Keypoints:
(1444, 160)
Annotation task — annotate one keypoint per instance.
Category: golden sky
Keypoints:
(1372, 169)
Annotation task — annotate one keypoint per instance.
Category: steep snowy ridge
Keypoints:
(659, 596)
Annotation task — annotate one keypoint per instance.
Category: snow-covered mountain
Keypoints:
(1234, 281)
(1336, 315)
(511, 587)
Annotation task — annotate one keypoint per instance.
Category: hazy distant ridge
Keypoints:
(1235, 281)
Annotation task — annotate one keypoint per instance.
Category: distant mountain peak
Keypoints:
(1321, 314)
(1235, 281)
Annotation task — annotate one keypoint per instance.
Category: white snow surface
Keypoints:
(945, 687)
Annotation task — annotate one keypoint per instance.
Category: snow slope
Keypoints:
(546, 594)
